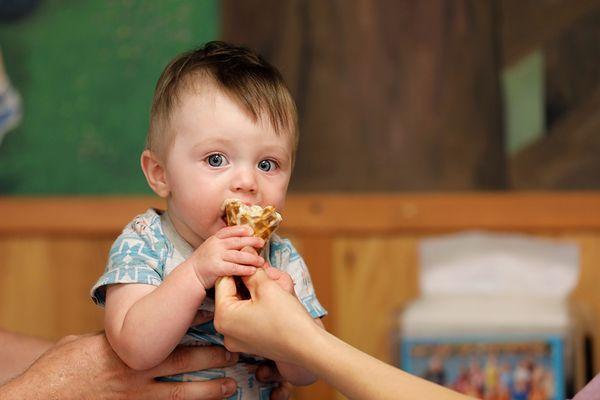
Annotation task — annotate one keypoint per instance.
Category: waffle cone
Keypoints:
(263, 221)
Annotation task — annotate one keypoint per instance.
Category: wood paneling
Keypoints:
(317, 253)
(374, 277)
(361, 250)
(529, 24)
(566, 158)
(571, 67)
(45, 283)
(392, 95)
(587, 292)
(97, 216)
(328, 214)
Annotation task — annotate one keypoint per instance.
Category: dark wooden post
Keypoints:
(567, 157)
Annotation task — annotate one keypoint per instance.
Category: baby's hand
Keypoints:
(221, 255)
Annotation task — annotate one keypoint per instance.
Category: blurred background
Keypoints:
(417, 118)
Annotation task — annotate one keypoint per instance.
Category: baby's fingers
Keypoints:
(233, 231)
(237, 243)
(244, 258)
(230, 268)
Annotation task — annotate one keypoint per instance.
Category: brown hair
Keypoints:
(240, 73)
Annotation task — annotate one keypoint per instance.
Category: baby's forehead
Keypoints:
(200, 98)
(208, 98)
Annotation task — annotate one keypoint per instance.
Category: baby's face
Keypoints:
(219, 153)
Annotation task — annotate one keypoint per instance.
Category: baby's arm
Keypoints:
(144, 323)
(296, 375)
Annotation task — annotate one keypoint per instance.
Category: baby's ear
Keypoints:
(155, 173)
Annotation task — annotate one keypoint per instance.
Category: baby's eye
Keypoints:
(216, 160)
(267, 165)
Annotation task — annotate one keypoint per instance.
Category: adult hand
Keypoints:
(266, 372)
(18, 352)
(269, 324)
(86, 367)
(282, 278)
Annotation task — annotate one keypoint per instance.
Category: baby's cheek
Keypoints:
(215, 223)
(279, 203)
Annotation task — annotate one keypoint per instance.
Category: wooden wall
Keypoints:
(361, 250)
(416, 87)
(391, 95)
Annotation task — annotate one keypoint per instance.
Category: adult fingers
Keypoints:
(243, 257)
(283, 392)
(232, 231)
(255, 280)
(207, 390)
(268, 373)
(202, 316)
(239, 242)
(187, 359)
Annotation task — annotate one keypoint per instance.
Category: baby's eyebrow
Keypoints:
(280, 151)
(274, 147)
(212, 141)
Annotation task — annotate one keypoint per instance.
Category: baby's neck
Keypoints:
(183, 232)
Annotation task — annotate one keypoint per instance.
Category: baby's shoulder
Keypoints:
(282, 252)
(145, 233)
(278, 244)
(146, 225)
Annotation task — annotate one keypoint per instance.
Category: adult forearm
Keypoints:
(169, 309)
(17, 390)
(360, 376)
(18, 352)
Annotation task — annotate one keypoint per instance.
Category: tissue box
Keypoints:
(500, 368)
(490, 347)
(491, 368)
(493, 320)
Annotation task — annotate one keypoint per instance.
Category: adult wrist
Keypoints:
(311, 332)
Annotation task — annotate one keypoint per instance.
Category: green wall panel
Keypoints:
(87, 70)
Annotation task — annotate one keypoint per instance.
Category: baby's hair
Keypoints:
(238, 72)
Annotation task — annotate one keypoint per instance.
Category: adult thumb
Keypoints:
(225, 290)
(259, 277)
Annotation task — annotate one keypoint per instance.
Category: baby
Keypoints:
(223, 125)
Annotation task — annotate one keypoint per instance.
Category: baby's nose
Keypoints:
(244, 181)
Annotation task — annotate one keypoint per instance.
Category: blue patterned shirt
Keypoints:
(149, 248)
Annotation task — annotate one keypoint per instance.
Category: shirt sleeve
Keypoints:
(137, 256)
(284, 256)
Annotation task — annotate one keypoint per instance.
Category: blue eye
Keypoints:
(267, 165)
(215, 160)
